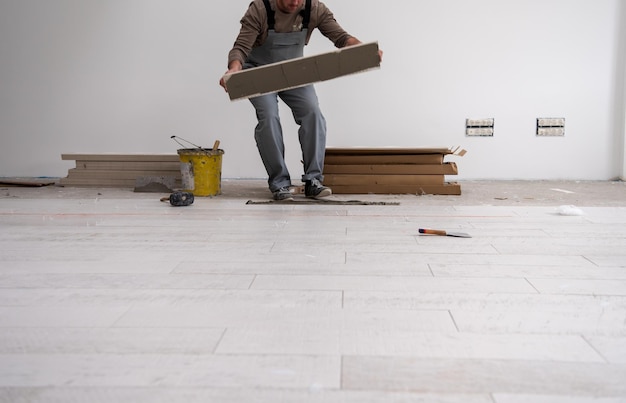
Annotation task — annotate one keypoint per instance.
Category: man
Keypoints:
(274, 31)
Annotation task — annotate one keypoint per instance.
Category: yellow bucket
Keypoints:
(201, 170)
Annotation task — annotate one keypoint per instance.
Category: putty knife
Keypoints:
(444, 233)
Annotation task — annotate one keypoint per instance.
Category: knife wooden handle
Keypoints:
(432, 231)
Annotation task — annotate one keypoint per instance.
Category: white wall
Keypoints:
(620, 103)
(123, 76)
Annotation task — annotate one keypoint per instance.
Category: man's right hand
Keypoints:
(234, 67)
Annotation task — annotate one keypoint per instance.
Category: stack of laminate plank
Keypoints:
(391, 170)
(119, 170)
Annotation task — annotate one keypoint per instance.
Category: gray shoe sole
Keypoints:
(285, 198)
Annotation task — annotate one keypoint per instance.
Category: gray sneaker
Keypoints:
(282, 194)
(315, 189)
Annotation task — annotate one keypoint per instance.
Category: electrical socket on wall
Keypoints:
(550, 126)
(479, 127)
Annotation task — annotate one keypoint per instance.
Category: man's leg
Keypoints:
(269, 140)
(312, 133)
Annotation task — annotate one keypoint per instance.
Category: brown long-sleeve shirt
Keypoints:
(254, 27)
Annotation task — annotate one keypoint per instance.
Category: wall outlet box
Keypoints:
(476, 131)
(550, 127)
(479, 127)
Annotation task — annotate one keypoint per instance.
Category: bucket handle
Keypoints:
(216, 145)
(186, 141)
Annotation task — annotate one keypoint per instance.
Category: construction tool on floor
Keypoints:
(179, 199)
(444, 233)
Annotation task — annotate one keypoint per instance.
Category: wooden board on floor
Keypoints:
(444, 189)
(119, 170)
(372, 180)
(129, 165)
(391, 170)
(423, 159)
(117, 174)
(121, 157)
(448, 168)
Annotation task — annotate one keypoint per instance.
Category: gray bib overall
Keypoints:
(302, 102)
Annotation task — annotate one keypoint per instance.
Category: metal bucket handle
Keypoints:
(215, 148)
(186, 141)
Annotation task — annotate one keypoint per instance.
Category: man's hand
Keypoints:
(354, 41)
(234, 67)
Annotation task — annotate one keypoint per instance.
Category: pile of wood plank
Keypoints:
(347, 170)
(120, 170)
(391, 171)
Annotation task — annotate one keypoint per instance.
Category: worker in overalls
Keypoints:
(273, 31)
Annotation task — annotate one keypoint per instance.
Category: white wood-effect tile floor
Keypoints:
(107, 295)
